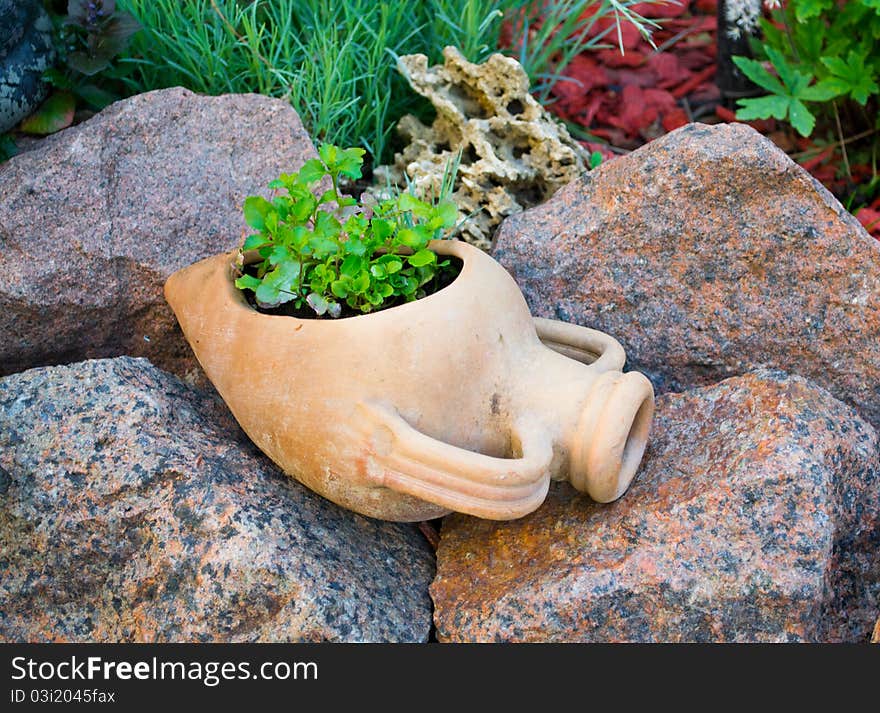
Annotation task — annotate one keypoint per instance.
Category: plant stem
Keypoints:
(787, 26)
(842, 139)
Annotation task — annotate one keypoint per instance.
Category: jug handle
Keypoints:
(407, 461)
(582, 344)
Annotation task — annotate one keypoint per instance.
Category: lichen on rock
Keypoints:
(513, 154)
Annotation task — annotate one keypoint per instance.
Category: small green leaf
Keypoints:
(355, 246)
(763, 108)
(349, 161)
(88, 64)
(755, 71)
(303, 209)
(448, 213)
(247, 282)
(326, 225)
(252, 242)
(422, 258)
(821, 91)
(322, 247)
(414, 238)
(404, 284)
(327, 196)
(805, 9)
(382, 229)
(278, 284)
(391, 263)
(595, 160)
(54, 114)
(255, 210)
(279, 254)
(361, 282)
(339, 288)
(801, 118)
(312, 171)
(787, 73)
(328, 153)
(409, 203)
(384, 289)
(351, 266)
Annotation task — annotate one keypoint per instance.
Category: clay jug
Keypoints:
(459, 401)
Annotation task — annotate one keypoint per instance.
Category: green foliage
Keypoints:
(334, 60)
(821, 52)
(319, 258)
(89, 35)
(787, 95)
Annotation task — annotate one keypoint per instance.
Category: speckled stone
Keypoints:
(709, 253)
(133, 509)
(26, 52)
(95, 218)
(755, 517)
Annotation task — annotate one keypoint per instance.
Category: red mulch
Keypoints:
(627, 100)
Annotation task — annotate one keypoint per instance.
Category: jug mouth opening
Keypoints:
(611, 435)
(457, 249)
(636, 442)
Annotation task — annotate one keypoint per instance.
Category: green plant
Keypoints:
(334, 60)
(788, 92)
(322, 259)
(88, 36)
(821, 52)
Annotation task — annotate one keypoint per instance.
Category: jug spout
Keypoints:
(607, 444)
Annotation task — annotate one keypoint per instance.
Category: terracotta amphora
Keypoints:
(459, 401)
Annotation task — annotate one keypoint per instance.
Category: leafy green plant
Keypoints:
(788, 92)
(334, 60)
(821, 52)
(322, 251)
(89, 34)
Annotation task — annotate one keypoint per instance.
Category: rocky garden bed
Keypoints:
(133, 507)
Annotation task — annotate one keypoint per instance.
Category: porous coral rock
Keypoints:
(513, 154)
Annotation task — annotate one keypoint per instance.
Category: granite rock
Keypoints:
(755, 517)
(132, 508)
(95, 218)
(709, 253)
